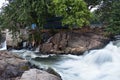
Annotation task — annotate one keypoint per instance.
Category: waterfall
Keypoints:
(99, 64)
(108, 54)
(3, 46)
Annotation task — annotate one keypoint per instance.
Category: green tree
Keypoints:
(73, 12)
(109, 13)
(22, 13)
(26, 12)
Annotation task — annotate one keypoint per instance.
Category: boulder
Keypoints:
(74, 42)
(11, 66)
(35, 74)
(52, 71)
(47, 47)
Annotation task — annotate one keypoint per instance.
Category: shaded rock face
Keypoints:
(74, 42)
(2, 39)
(52, 71)
(34, 74)
(11, 67)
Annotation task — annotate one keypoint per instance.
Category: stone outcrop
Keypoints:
(11, 66)
(13, 42)
(14, 68)
(74, 42)
(2, 39)
(35, 74)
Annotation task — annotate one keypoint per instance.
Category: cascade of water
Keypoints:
(101, 64)
(37, 49)
(4, 46)
(24, 44)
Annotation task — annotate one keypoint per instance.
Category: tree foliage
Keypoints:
(109, 13)
(21, 13)
(73, 12)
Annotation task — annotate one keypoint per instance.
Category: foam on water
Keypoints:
(102, 64)
(28, 55)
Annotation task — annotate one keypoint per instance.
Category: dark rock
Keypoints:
(52, 71)
(74, 42)
(2, 37)
(117, 37)
(11, 66)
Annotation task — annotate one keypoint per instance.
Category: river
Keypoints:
(100, 64)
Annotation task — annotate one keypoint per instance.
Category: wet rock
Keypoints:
(11, 66)
(2, 37)
(52, 71)
(74, 42)
(35, 74)
(117, 37)
(47, 47)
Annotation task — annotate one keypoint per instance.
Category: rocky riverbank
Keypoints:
(75, 41)
(11, 66)
(14, 68)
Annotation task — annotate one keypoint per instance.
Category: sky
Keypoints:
(1, 3)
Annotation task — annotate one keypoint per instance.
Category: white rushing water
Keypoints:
(102, 64)
(3, 46)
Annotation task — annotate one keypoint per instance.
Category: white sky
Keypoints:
(1, 3)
